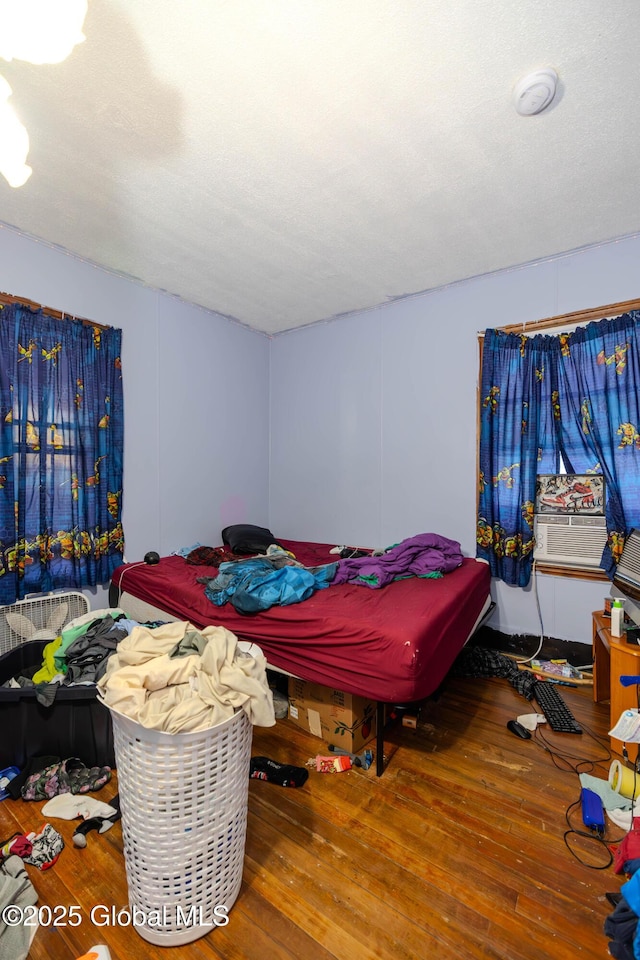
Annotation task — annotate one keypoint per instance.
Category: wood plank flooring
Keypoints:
(457, 851)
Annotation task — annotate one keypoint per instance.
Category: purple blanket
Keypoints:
(417, 556)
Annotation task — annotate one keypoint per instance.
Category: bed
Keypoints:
(394, 645)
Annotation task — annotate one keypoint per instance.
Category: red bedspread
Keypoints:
(394, 644)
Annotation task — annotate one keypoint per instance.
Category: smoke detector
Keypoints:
(533, 93)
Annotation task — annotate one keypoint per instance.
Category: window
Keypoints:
(570, 398)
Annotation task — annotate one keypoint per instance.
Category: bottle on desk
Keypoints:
(617, 618)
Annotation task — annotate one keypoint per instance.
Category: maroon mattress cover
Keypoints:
(394, 644)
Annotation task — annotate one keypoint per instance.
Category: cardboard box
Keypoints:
(342, 719)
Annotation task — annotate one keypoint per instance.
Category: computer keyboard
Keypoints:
(558, 715)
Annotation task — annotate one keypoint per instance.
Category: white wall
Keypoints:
(359, 431)
(373, 419)
(196, 390)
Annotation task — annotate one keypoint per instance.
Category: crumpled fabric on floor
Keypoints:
(39, 848)
(480, 662)
(46, 847)
(611, 799)
(621, 926)
(17, 890)
(33, 765)
(628, 848)
(67, 806)
(154, 679)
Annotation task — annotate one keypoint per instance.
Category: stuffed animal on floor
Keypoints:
(26, 629)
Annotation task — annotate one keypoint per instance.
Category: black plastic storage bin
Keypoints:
(75, 725)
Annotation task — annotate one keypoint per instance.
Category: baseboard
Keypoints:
(525, 645)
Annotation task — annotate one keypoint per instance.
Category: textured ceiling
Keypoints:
(287, 161)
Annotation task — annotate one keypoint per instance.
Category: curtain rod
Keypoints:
(578, 317)
(7, 298)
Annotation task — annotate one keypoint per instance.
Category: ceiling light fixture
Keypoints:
(39, 31)
(534, 93)
(14, 142)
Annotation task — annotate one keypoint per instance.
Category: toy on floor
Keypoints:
(364, 759)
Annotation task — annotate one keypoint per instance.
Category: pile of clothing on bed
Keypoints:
(257, 583)
(274, 576)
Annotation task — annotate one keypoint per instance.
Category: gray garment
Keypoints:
(87, 656)
(45, 692)
(16, 890)
(192, 642)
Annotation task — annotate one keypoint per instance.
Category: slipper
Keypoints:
(69, 776)
(83, 779)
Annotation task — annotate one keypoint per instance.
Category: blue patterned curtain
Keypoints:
(598, 387)
(575, 396)
(516, 443)
(61, 445)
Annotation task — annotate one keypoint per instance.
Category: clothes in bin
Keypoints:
(75, 725)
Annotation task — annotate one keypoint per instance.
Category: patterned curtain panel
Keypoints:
(598, 389)
(575, 396)
(516, 443)
(61, 446)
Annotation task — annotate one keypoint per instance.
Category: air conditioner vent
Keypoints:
(570, 540)
(627, 575)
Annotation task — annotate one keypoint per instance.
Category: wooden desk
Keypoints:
(612, 658)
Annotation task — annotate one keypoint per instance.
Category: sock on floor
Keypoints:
(101, 824)
(80, 834)
(18, 845)
(284, 774)
(68, 806)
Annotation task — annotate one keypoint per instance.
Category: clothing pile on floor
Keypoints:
(17, 891)
(480, 662)
(621, 926)
(57, 782)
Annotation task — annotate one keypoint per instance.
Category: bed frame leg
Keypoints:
(379, 738)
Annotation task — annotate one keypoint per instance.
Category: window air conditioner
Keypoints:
(571, 541)
(627, 574)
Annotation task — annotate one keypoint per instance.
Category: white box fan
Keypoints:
(39, 618)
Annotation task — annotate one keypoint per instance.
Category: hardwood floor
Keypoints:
(457, 851)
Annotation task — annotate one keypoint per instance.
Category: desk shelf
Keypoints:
(612, 658)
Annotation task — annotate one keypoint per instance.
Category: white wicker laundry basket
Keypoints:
(184, 817)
